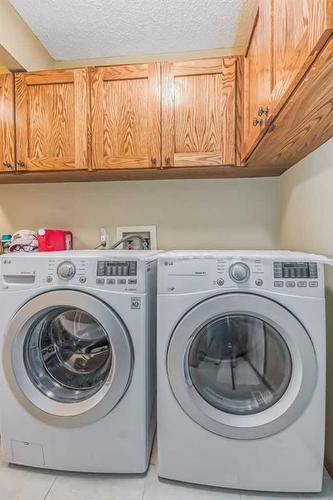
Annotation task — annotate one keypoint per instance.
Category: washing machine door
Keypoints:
(241, 365)
(67, 356)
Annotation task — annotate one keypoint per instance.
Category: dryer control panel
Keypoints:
(298, 270)
(186, 275)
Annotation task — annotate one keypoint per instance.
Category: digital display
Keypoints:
(116, 268)
(307, 270)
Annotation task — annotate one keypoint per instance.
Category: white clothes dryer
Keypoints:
(77, 350)
(241, 371)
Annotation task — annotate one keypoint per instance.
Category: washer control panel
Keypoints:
(114, 275)
(116, 268)
(195, 274)
(66, 270)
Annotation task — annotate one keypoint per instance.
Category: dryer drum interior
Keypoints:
(239, 364)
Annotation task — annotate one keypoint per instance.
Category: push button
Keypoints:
(121, 282)
(302, 284)
(313, 283)
(132, 281)
(82, 279)
(111, 281)
(259, 282)
(220, 282)
(100, 281)
(290, 284)
(278, 284)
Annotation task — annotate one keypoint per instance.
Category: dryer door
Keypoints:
(67, 355)
(241, 365)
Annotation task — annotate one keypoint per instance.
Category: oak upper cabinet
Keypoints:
(7, 136)
(257, 76)
(299, 29)
(126, 116)
(198, 112)
(286, 39)
(52, 120)
(304, 123)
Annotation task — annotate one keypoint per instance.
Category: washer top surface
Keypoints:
(108, 254)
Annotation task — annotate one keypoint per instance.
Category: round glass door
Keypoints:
(239, 364)
(67, 354)
(67, 357)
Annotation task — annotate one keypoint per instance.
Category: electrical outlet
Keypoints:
(103, 237)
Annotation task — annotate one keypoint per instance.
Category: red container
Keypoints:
(53, 240)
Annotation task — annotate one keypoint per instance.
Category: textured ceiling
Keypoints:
(80, 29)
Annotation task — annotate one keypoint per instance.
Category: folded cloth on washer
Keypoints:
(24, 241)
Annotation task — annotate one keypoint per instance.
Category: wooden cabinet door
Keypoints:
(300, 29)
(257, 83)
(126, 116)
(52, 120)
(304, 123)
(198, 112)
(7, 147)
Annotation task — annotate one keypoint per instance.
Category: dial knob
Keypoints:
(66, 270)
(239, 272)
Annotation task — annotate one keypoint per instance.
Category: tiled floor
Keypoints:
(19, 483)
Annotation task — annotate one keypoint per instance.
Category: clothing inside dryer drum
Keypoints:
(239, 364)
(67, 354)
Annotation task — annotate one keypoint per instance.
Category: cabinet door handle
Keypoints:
(256, 121)
(153, 161)
(21, 163)
(263, 111)
(167, 160)
(7, 164)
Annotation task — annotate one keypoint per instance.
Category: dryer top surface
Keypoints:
(286, 255)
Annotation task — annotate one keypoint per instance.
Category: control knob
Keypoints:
(239, 272)
(66, 270)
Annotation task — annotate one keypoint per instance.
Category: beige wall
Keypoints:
(164, 56)
(234, 213)
(19, 47)
(306, 223)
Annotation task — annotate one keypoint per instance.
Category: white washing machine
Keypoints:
(77, 350)
(241, 370)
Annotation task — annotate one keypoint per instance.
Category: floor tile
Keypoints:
(75, 486)
(327, 493)
(256, 495)
(167, 490)
(24, 483)
(153, 458)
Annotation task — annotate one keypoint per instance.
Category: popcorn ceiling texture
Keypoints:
(76, 29)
